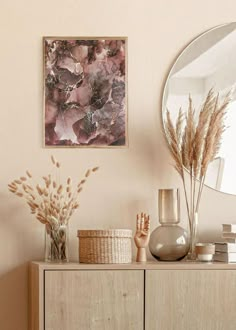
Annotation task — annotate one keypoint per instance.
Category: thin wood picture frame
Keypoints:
(85, 92)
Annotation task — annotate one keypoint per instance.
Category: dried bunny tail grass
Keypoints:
(12, 188)
(53, 160)
(17, 181)
(87, 173)
(45, 192)
(31, 196)
(75, 206)
(51, 199)
(29, 187)
(49, 181)
(39, 190)
(24, 186)
(29, 174)
(81, 182)
(208, 107)
(42, 219)
(12, 185)
(19, 194)
(59, 190)
(214, 134)
(174, 147)
(32, 204)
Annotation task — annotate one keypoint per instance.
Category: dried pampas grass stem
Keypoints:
(194, 143)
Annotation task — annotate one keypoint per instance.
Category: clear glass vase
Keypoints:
(193, 236)
(56, 243)
(169, 241)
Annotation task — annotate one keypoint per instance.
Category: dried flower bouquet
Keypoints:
(194, 142)
(53, 204)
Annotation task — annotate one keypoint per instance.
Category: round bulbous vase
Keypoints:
(169, 242)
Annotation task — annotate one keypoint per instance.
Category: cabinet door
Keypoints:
(84, 300)
(191, 299)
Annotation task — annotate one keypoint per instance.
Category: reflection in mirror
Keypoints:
(209, 61)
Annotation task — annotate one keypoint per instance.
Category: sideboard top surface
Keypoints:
(150, 265)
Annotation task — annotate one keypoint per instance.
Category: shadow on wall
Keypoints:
(21, 240)
(13, 305)
(210, 235)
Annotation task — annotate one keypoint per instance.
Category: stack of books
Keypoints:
(226, 251)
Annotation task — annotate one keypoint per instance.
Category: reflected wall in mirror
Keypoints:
(208, 62)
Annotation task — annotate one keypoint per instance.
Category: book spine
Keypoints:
(229, 228)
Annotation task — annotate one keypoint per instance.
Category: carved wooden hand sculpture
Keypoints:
(142, 236)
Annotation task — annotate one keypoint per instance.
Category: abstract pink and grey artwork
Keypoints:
(85, 91)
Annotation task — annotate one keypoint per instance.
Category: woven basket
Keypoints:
(111, 246)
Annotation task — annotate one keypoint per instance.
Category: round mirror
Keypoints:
(208, 62)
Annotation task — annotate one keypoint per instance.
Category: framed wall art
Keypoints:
(85, 91)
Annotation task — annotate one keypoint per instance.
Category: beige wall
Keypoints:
(128, 180)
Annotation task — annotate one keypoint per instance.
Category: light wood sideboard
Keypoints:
(150, 296)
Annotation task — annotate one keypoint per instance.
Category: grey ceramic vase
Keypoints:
(169, 241)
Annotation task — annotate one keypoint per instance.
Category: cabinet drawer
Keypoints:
(99, 299)
(190, 299)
